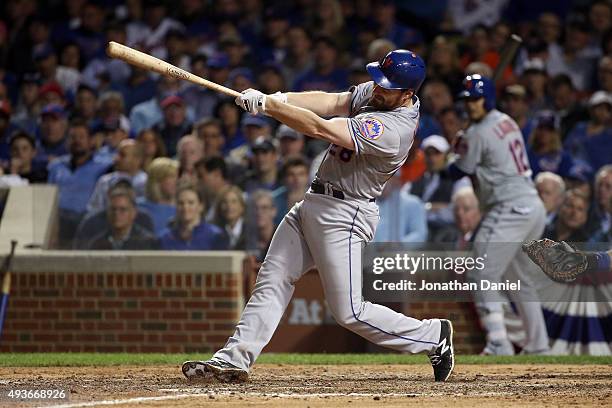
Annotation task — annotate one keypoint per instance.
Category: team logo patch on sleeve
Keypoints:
(372, 128)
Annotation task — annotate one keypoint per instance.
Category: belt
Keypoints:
(319, 188)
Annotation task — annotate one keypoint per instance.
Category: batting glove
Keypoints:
(253, 101)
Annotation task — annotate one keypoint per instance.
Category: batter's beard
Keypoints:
(378, 102)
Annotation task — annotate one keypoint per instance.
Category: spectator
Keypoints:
(291, 143)
(175, 123)
(379, 48)
(254, 129)
(229, 115)
(295, 184)
(212, 179)
(591, 140)
(402, 215)
(29, 105)
(571, 222)
(113, 133)
(551, 189)
(298, 59)
(545, 150)
(75, 175)
(112, 109)
(51, 93)
(90, 34)
(123, 233)
(264, 175)
(128, 166)
(444, 64)
(241, 79)
(466, 16)
(103, 69)
(600, 19)
(435, 96)
(514, 103)
(602, 208)
(139, 88)
(326, 75)
(436, 186)
(189, 231)
(23, 151)
(263, 225)
(152, 144)
(450, 122)
(604, 74)
(230, 213)
(201, 99)
(535, 80)
(386, 23)
(208, 130)
(219, 68)
(149, 34)
(47, 66)
(160, 192)
(6, 128)
(86, 104)
(53, 129)
(190, 150)
(271, 79)
(569, 112)
(466, 215)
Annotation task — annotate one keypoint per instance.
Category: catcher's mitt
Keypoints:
(558, 260)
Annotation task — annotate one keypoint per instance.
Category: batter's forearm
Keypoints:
(321, 103)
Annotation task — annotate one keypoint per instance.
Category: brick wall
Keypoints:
(126, 311)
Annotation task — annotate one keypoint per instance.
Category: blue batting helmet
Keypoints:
(399, 69)
(477, 86)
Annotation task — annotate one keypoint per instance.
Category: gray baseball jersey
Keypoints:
(382, 142)
(493, 150)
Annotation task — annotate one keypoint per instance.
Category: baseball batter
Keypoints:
(493, 153)
(370, 137)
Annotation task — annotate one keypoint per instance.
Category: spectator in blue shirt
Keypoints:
(160, 192)
(402, 215)
(591, 140)
(545, 150)
(189, 231)
(75, 175)
(325, 76)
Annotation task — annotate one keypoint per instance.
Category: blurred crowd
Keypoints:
(146, 162)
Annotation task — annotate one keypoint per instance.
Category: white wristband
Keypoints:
(279, 96)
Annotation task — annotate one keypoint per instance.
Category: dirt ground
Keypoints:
(289, 386)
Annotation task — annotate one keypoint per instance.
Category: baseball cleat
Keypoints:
(443, 357)
(214, 368)
(498, 348)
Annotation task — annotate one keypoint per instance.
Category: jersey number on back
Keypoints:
(341, 153)
(518, 154)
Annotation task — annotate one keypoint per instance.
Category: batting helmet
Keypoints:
(477, 86)
(399, 69)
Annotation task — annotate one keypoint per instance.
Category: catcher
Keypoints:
(563, 263)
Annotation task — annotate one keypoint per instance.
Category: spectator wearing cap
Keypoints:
(291, 143)
(535, 80)
(514, 103)
(565, 104)
(147, 114)
(75, 175)
(47, 65)
(264, 175)
(123, 233)
(271, 79)
(51, 93)
(219, 68)
(545, 150)
(241, 79)
(231, 45)
(160, 192)
(127, 166)
(28, 105)
(189, 230)
(591, 140)
(295, 183)
(570, 223)
(200, 98)
(402, 215)
(229, 116)
(298, 59)
(114, 132)
(551, 189)
(254, 129)
(435, 188)
(23, 150)
(190, 149)
(210, 132)
(325, 76)
(52, 133)
(212, 179)
(175, 123)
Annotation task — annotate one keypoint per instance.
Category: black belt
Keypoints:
(318, 188)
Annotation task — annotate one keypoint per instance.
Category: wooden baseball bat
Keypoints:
(150, 63)
(6, 284)
(507, 55)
